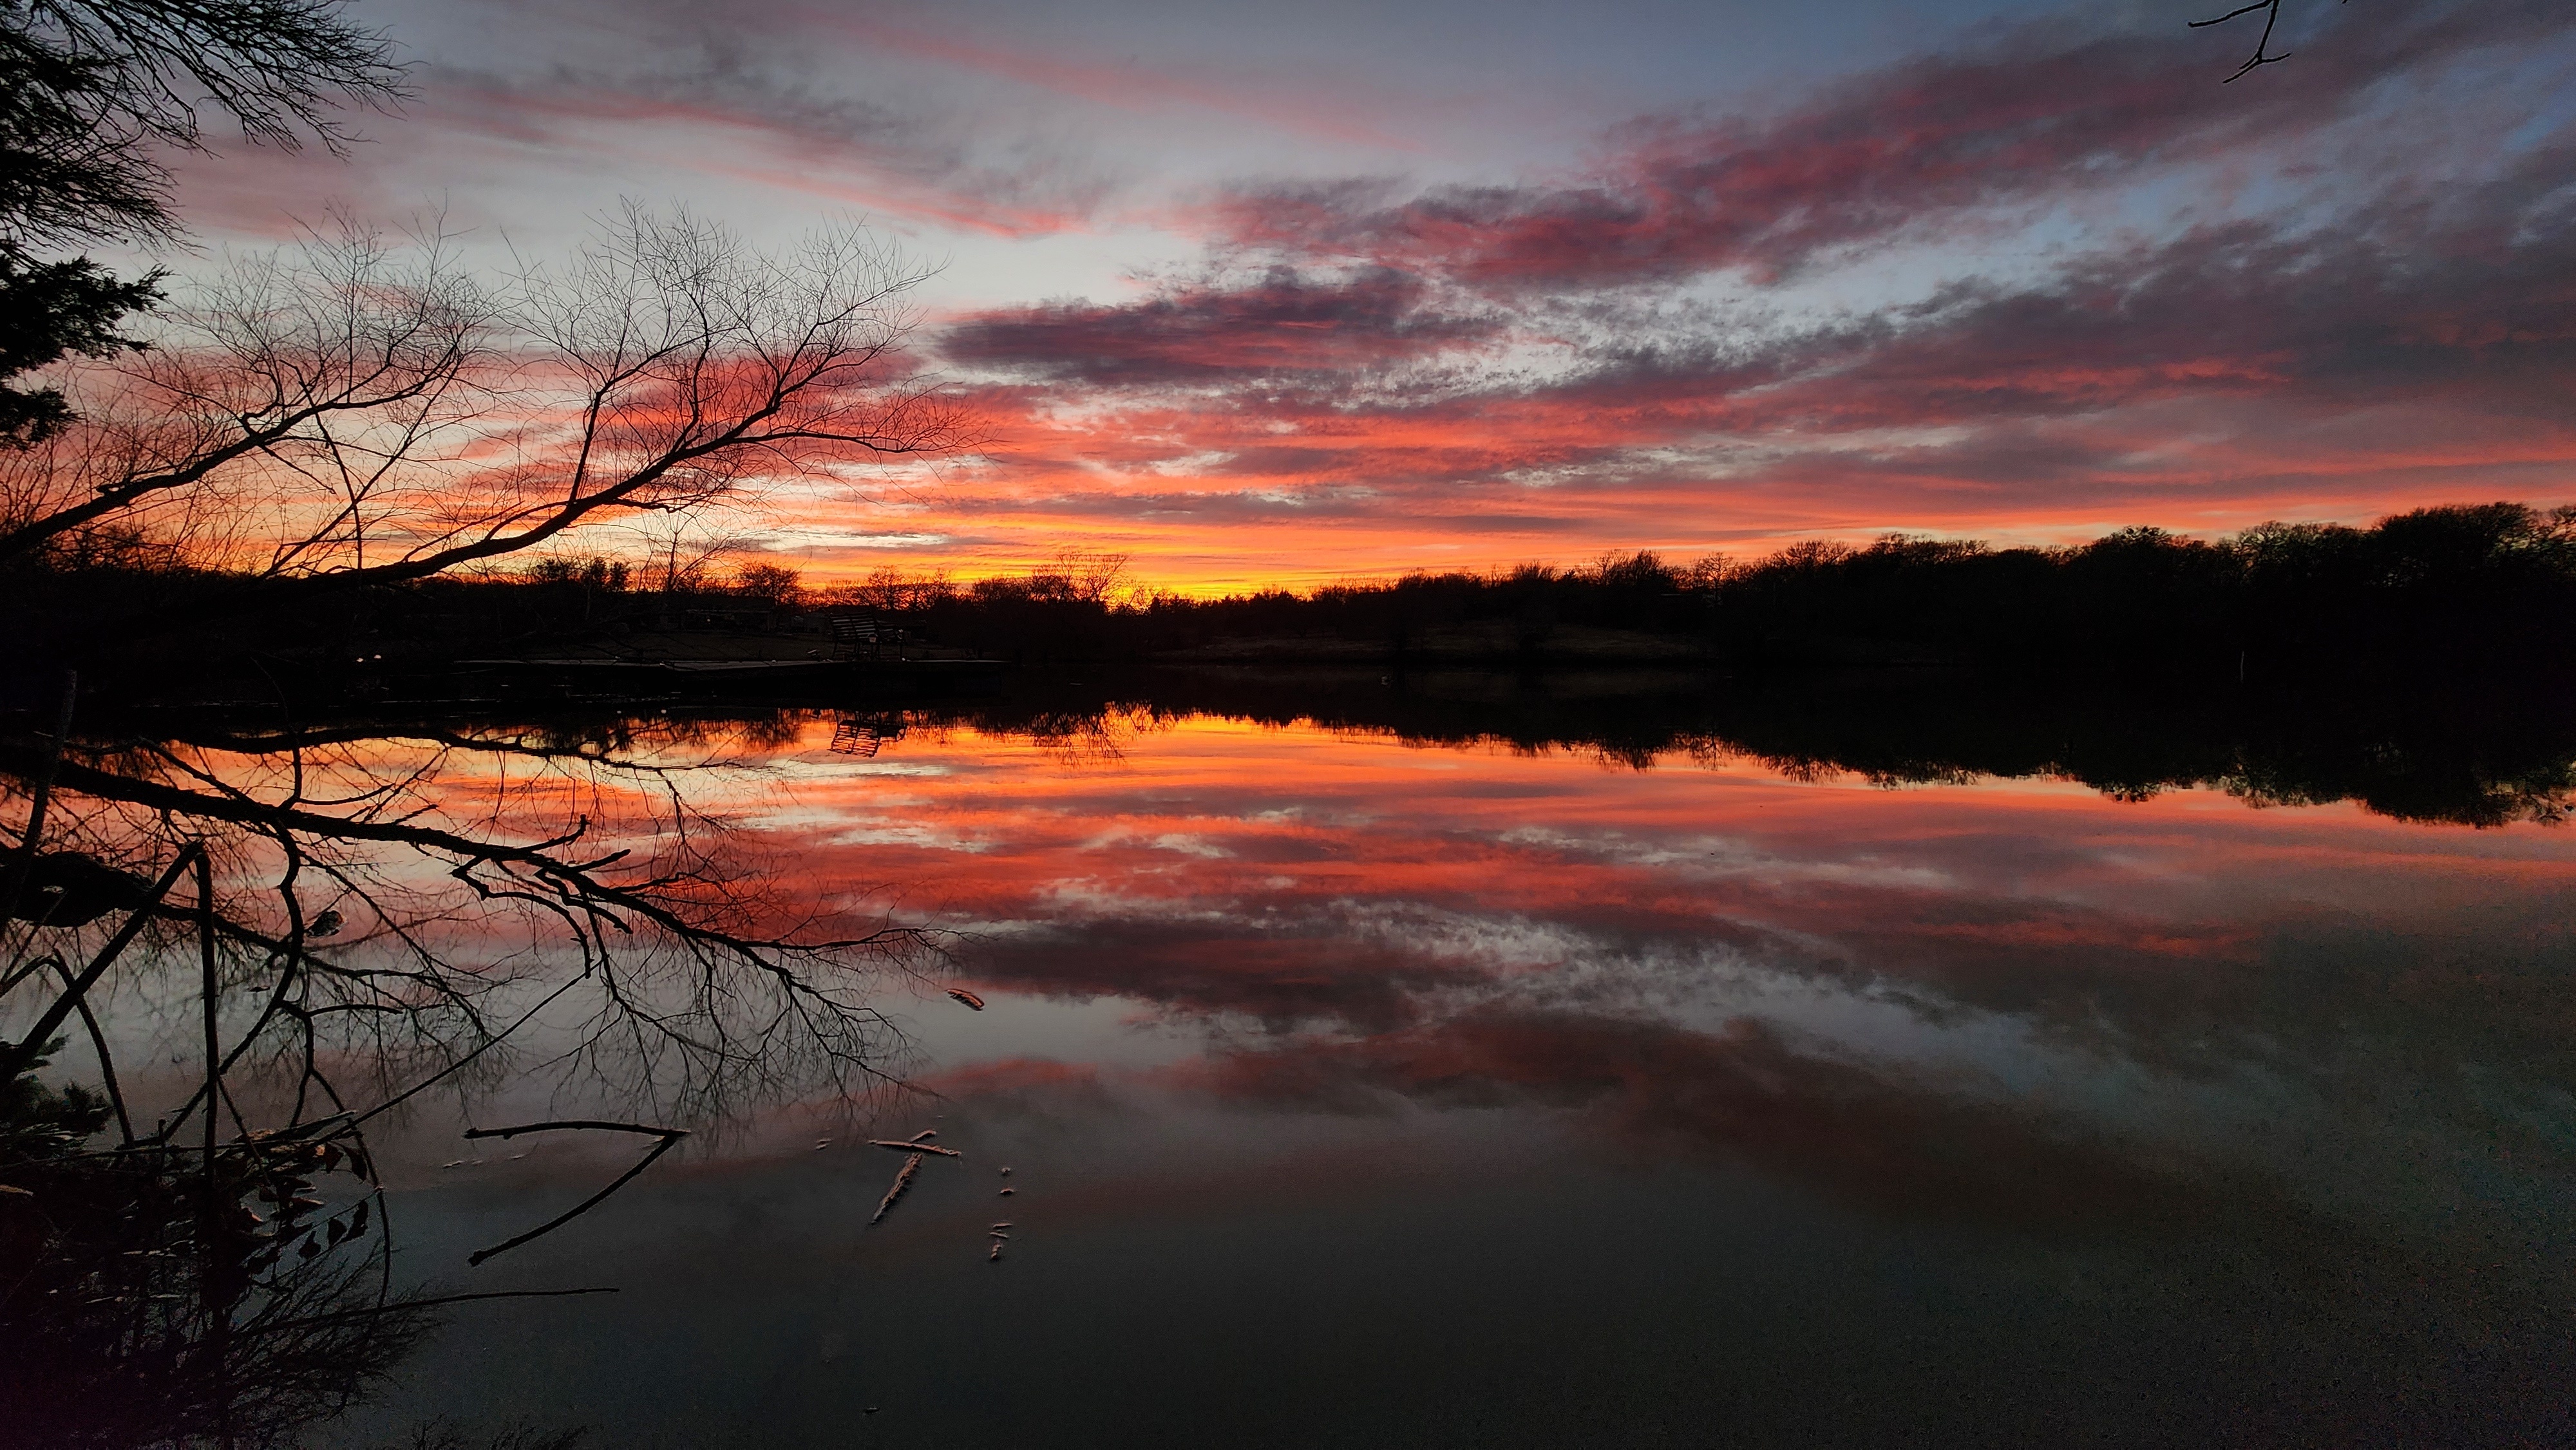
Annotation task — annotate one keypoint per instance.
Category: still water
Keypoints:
(1365, 1092)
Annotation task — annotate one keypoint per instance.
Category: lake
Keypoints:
(1358, 1086)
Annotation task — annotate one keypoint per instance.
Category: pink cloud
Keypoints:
(2033, 117)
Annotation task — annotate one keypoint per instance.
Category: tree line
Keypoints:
(2468, 585)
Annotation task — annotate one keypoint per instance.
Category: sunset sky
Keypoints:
(1282, 294)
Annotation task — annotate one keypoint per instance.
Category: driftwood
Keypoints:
(902, 1181)
(914, 1146)
(969, 998)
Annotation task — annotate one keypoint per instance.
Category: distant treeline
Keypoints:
(2462, 582)
(2464, 587)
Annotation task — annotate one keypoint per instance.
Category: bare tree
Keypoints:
(683, 550)
(131, 80)
(365, 930)
(1081, 575)
(357, 411)
(95, 98)
(775, 584)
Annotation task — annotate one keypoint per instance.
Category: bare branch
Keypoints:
(2262, 56)
(352, 411)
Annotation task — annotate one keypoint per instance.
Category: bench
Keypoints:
(852, 633)
(852, 738)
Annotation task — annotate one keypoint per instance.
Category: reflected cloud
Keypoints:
(1911, 1147)
(1616, 943)
(2020, 1002)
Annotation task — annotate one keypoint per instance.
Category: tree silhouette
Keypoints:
(364, 411)
(94, 98)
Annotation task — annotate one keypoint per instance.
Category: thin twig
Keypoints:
(2262, 55)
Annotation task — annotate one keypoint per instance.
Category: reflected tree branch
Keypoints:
(667, 1136)
(454, 924)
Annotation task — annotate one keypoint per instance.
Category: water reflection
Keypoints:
(1467, 1063)
(199, 1245)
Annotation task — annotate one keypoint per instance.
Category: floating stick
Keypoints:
(902, 1181)
(969, 998)
(915, 1146)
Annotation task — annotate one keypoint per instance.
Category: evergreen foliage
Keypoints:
(94, 97)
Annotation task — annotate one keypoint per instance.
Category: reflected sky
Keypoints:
(1360, 1092)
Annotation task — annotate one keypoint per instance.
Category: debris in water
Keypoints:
(822, 1143)
(1007, 1192)
(914, 1146)
(969, 998)
(1006, 1170)
(925, 1135)
(902, 1181)
(457, 1163)
(1006, 1223)
(996, 1254)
